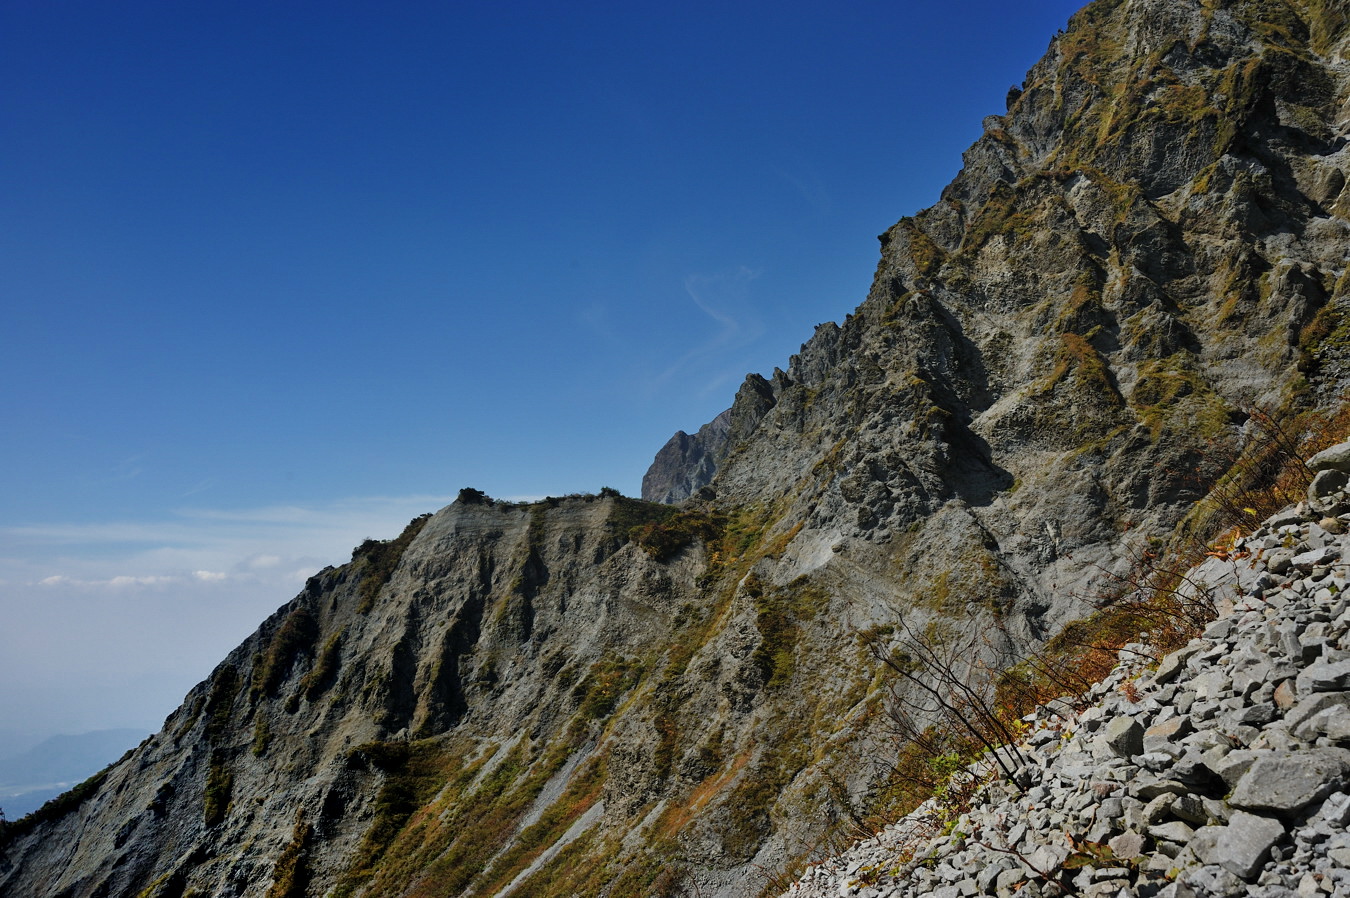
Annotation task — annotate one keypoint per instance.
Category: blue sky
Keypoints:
(278, 277)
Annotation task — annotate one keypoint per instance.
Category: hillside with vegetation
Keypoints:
(1106, 351)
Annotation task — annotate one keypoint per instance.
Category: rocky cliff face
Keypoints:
(597, 695)
(1150, 243)
(687, 463)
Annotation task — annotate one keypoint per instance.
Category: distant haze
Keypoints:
(31, 777)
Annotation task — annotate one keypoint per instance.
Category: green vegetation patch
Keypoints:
(290, 876)
(324, 672)
(751, 801)
(1327, 21)
(1171, 393)
(1328, 332)
(380, 559)
(295, 637)
(262, 736)
(588, 867)
(1078, 400)
(667, 539)
(778, 617)
(413, 773)
(436, 830)
(1075, 357)
(609, 679)
(219, 788)
(1084, 311)
(220, 701)
(978, 578)
(627, 514)
(1002, 214)
(580, 795)
(1089, 46)
(927, 256)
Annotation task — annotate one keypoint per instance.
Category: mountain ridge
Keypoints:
(1141, 260)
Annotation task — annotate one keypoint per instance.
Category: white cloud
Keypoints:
(140, 581)
(118, 582)
(723, 298)
(810, 187)
(109, 623)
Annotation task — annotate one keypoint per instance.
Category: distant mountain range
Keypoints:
(30, 778)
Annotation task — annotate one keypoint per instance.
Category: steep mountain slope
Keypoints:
(1221, 771)
(1148, 245)
(595, 695)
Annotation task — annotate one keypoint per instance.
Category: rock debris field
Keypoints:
(1223, 771)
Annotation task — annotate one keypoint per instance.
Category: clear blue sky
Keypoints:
(279, 276)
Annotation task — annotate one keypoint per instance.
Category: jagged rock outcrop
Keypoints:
(1146, 246)
(599, 696)
(1223, 770)
(687, 463)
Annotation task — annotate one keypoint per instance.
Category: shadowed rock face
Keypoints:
(687, 463)
(602, 696)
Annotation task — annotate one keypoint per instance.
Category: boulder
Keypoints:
(1124, 736)
(1241, 847)
(1312, 705)
(1160, 737)
(1326, 483)
(1287, 782)
(1336, 458)
(1324, 676)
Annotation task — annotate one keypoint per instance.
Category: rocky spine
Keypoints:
(1140, 269)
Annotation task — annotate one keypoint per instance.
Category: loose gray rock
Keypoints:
(1288, 782)
(1127, 845)
(1327, 482)
(1312, 705)
(1124, 736)
(1173, 664)
(1325, 677)
(1240, 847)
(1336, 458)
(1162, 736)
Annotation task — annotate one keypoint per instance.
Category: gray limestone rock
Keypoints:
(1241, 846)
(1191, 809)
(1306, 561)
(1312, 705)
(1325, 676)
(1287, 782)
(1336, 458)
(1232, 765)
(1280, 561)
(1167, 734)
(1173, 664)
(1173, 831)
(1332, 722)
(1127, 845)
(1336, 809)
(1124, 737)
(1327, 482)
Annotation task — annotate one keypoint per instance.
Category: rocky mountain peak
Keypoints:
(1104, 340)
